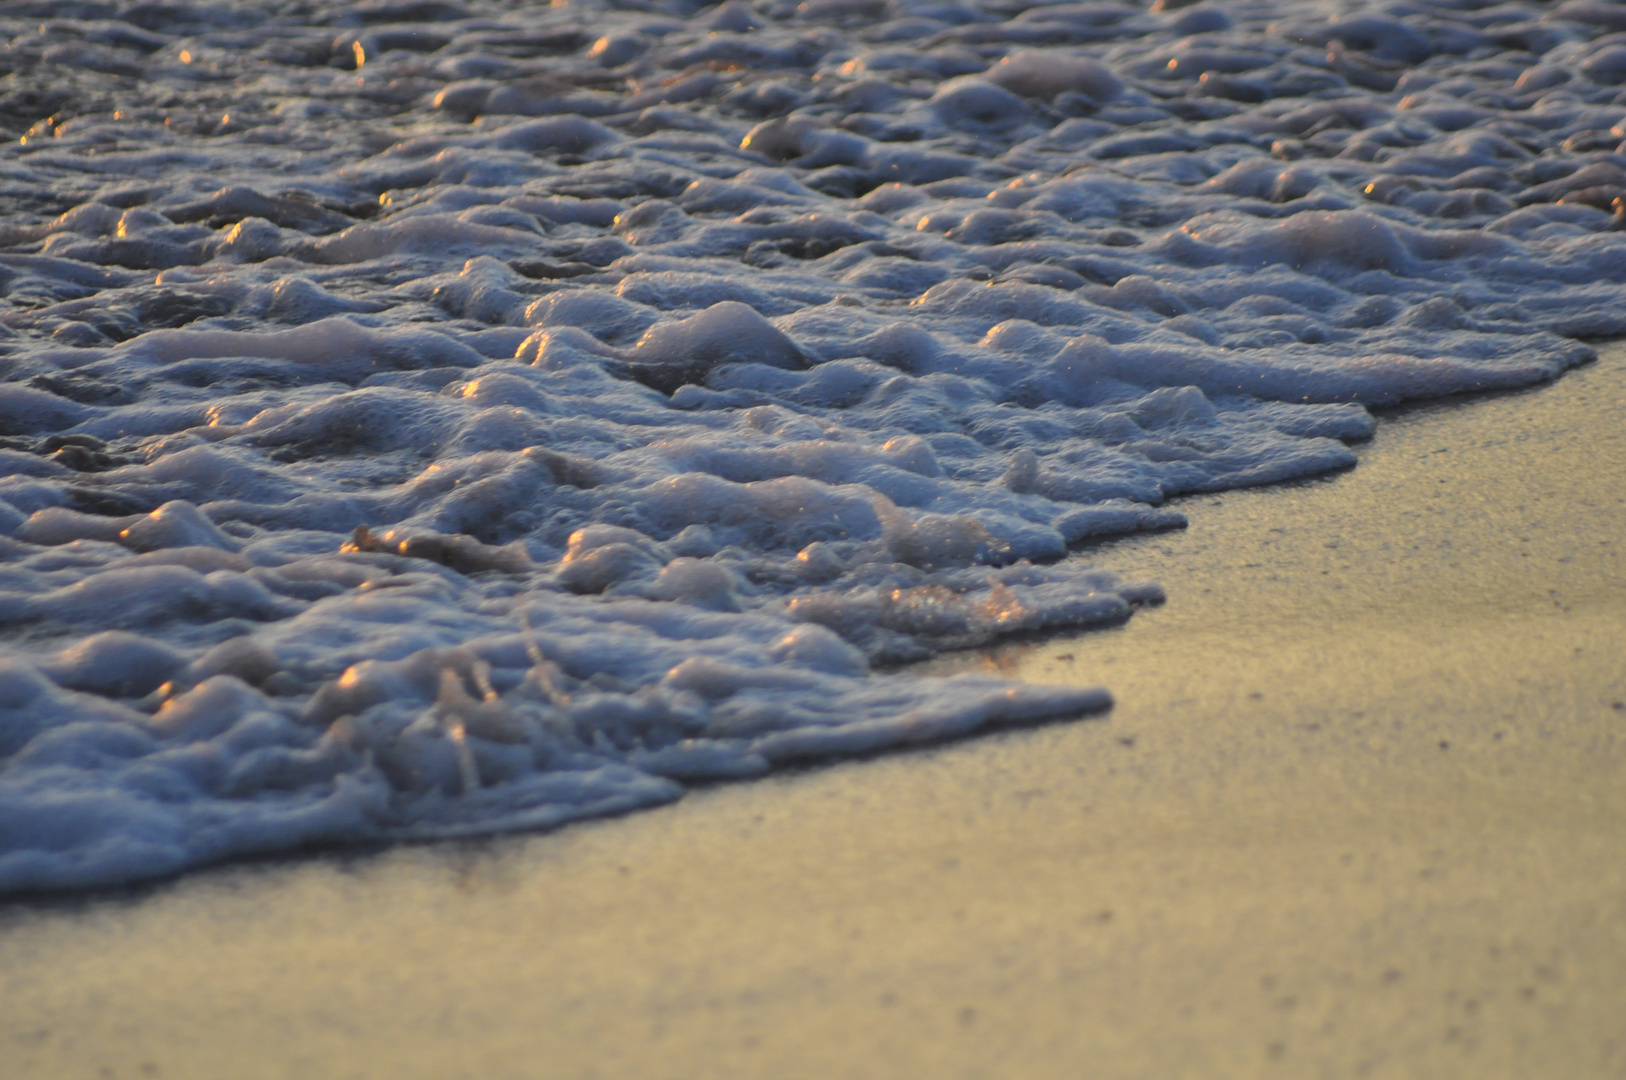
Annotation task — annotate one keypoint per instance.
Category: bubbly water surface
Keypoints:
(429, 418)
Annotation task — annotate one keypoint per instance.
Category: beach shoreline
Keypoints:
(1358, 811)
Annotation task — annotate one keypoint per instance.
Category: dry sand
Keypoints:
(1360, 811)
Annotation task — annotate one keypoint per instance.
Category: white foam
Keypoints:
(434, 443)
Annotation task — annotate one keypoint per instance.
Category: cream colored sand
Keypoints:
(1360, 811)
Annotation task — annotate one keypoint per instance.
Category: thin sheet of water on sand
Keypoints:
(1358, 812)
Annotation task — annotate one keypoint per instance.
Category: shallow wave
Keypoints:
(428, 419)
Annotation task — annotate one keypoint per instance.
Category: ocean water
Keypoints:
(428, 419)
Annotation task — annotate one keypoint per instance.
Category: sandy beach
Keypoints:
(1359, 811)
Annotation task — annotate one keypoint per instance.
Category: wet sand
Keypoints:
(1360, 810)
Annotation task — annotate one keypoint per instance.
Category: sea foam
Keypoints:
(427, 420)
